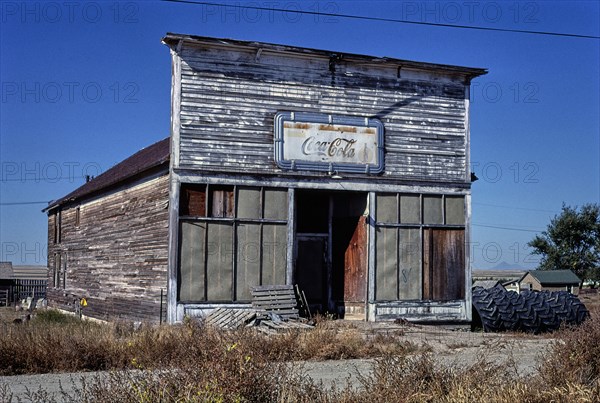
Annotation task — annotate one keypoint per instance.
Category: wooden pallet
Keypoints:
(230, 318)
(276, 299)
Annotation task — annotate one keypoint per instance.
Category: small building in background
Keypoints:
(507, 278)
(21, 281)
(348, 175)
(550, 280)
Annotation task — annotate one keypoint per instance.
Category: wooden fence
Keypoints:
(27, 288)
(4, 297)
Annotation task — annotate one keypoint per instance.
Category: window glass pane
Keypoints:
(410, 209)
(387, 208)
(455, 210)
(191, 262)
(248, 260)
(248, 202)
(410, 274)
(432, 210)
(274, 253)
(386, 274)
(219, 262)
(276, 204)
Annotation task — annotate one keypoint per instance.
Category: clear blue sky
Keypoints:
(86, 84)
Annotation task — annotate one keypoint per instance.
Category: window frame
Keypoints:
(421, 227)
(235, 222)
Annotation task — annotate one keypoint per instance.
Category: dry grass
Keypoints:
(193, 363)
(53, 342)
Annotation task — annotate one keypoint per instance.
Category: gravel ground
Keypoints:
(450, 347)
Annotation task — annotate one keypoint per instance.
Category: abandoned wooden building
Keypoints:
(345, 174)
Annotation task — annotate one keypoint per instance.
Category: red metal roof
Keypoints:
(147, 158)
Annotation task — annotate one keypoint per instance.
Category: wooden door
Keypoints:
(443, 264)
(355, 267)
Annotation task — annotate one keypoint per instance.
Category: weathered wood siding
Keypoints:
(229, 96)
(117, 256)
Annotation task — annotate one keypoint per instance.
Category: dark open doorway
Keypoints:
(331, 251)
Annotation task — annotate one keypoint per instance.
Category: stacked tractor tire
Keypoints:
(496, 309)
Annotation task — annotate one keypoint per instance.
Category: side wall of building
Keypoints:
(113, 251)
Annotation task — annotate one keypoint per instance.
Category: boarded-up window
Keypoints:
(387, 208)
(219, 262)
(57, 232)
(248, 203)
(386, 275)
(432, 210)
(398, 274)
(409, 270)
(276, 203)
(420, 252)
(221, 201)
(57, 267)
(225, 254)
(410, 209)
(274, 245)
(455, 210)
(248, 259)
(192, 261)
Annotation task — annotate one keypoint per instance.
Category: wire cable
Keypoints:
(392, 20)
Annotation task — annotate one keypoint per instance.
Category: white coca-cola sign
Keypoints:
(306, 141)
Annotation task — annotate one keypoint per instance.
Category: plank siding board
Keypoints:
(443, 264)
(228, 100)
(117, 256)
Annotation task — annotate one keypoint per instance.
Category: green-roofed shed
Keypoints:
(552, 280)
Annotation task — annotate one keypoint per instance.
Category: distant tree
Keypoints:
(572, 241)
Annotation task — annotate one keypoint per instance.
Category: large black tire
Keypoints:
(568, 307)
(493, 307)
(496, 309)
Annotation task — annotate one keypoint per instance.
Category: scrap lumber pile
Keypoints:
(274, 309)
